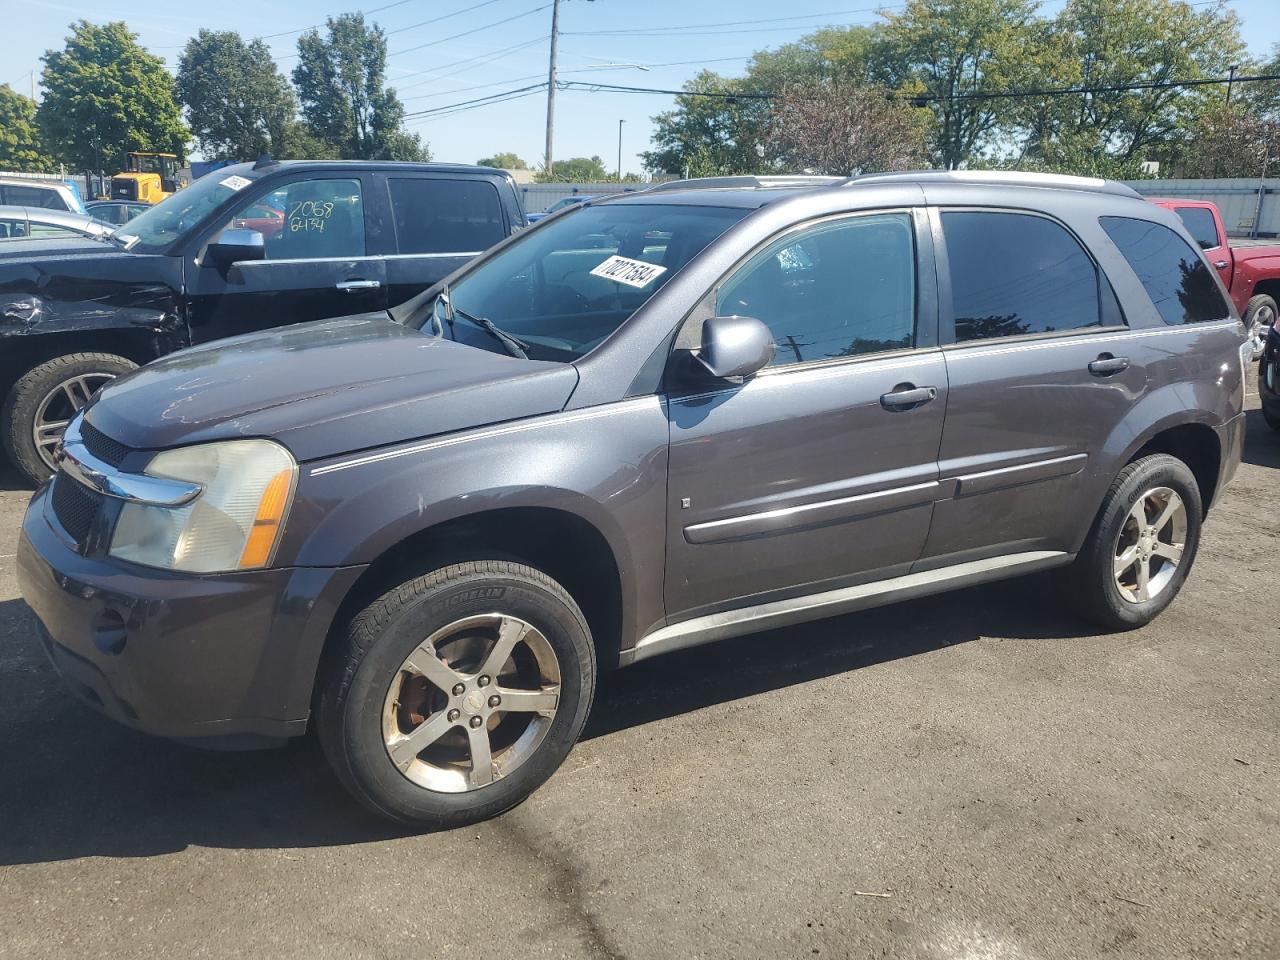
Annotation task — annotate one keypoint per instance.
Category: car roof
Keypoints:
(1180, 201)
(41, 184)
(45, 215)
(263, 167)
(751, 192)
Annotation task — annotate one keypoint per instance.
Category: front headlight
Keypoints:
(235, 522)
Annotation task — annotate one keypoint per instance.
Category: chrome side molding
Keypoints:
(816, 606)
(74, 458)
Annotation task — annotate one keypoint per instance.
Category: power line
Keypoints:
(467, 64)
(532, 88)
(289, 33)
(447, 16)
(697, 26)
(467, 33)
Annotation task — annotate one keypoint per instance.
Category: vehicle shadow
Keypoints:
(73, 784)
(1261, 443)
(11, 481)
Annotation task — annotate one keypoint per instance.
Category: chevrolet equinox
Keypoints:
(652, 421)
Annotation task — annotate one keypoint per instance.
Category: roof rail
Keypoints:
(747, 182)
(1010, 178)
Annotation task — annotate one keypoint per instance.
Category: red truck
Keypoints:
(1250, 269)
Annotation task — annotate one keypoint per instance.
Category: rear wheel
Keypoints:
(1142, 544)
(1259, 317)
(458, 693)
(43, 401)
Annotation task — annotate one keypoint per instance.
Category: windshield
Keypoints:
(159, 226)
(564, 287)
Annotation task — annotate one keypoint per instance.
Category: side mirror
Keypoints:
(236, 246)
(735, 346)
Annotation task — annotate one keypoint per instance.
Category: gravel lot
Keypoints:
(1008, 783)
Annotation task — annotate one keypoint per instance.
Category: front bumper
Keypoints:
(229, 660)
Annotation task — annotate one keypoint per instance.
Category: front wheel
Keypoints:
(1142, 544)
(43, 401)
(457, 693)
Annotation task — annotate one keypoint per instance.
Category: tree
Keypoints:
(844, 128)
(1231, 141)
(240, 106)
(949, 50)
(104, 95)
(1120, 43)
(503, 161)
(20, 149)
(577, 170)
(340, 82)
(707, 135)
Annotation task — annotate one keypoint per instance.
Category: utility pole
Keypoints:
(548, 164)
(620, 123)
(1231, 79)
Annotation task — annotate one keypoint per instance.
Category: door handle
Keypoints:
(907, 397)
(351, 286)
(1106, 365)
(1220, 264)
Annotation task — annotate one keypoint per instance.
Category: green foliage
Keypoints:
(239, 105)
(503, 161)
(577, 170)
(340, 80)
(1233, 140)
(104, 95)
(19, 138)
(708, 136)
(947, 51)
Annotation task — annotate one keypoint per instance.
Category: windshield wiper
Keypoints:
(509, 343)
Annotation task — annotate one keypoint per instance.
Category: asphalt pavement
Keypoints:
(977, 776)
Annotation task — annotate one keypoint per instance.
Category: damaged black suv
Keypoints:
(244, 248)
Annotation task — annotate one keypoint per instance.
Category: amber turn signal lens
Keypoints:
(266, 525)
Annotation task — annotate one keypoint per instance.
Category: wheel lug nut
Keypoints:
(453, 715)
(476, 721)
(458, 689)
(495, 700)
(484, 681)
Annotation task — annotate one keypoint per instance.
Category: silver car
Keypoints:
(34, 223)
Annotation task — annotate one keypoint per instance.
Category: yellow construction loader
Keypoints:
(148, 177)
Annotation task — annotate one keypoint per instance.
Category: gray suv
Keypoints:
(650, 422)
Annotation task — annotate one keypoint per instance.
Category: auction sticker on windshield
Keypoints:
(235, 182)
(634, 273)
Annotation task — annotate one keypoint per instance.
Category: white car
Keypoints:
(45, 194)
(32, 223)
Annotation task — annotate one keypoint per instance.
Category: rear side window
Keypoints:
(445, 216)
(18, 196)
(1176, 278)
(1201, 225)
(1014, 274)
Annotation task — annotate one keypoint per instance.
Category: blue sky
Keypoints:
(505, 47)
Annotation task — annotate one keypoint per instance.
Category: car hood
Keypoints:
(326, 388)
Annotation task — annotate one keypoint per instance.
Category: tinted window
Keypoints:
(835, 290)
(445, 216)
(1201, 225)
(13, 229)
(307, 219)
(563, 288)
(18, 196)
(1177, 279)
(1014, 274)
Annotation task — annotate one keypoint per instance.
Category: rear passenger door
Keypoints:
(437, 223)
(1040, 373)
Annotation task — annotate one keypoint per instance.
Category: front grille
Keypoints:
(101, 446)
(75, 506)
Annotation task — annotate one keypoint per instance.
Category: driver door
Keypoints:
(811, 475)
(316, 264)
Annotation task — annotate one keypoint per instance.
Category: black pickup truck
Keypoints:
(246, 247)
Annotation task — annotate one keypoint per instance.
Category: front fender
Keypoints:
(606, 465)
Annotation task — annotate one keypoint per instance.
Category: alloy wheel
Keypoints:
(471, 703)
(1150, 545)
(58, 407)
